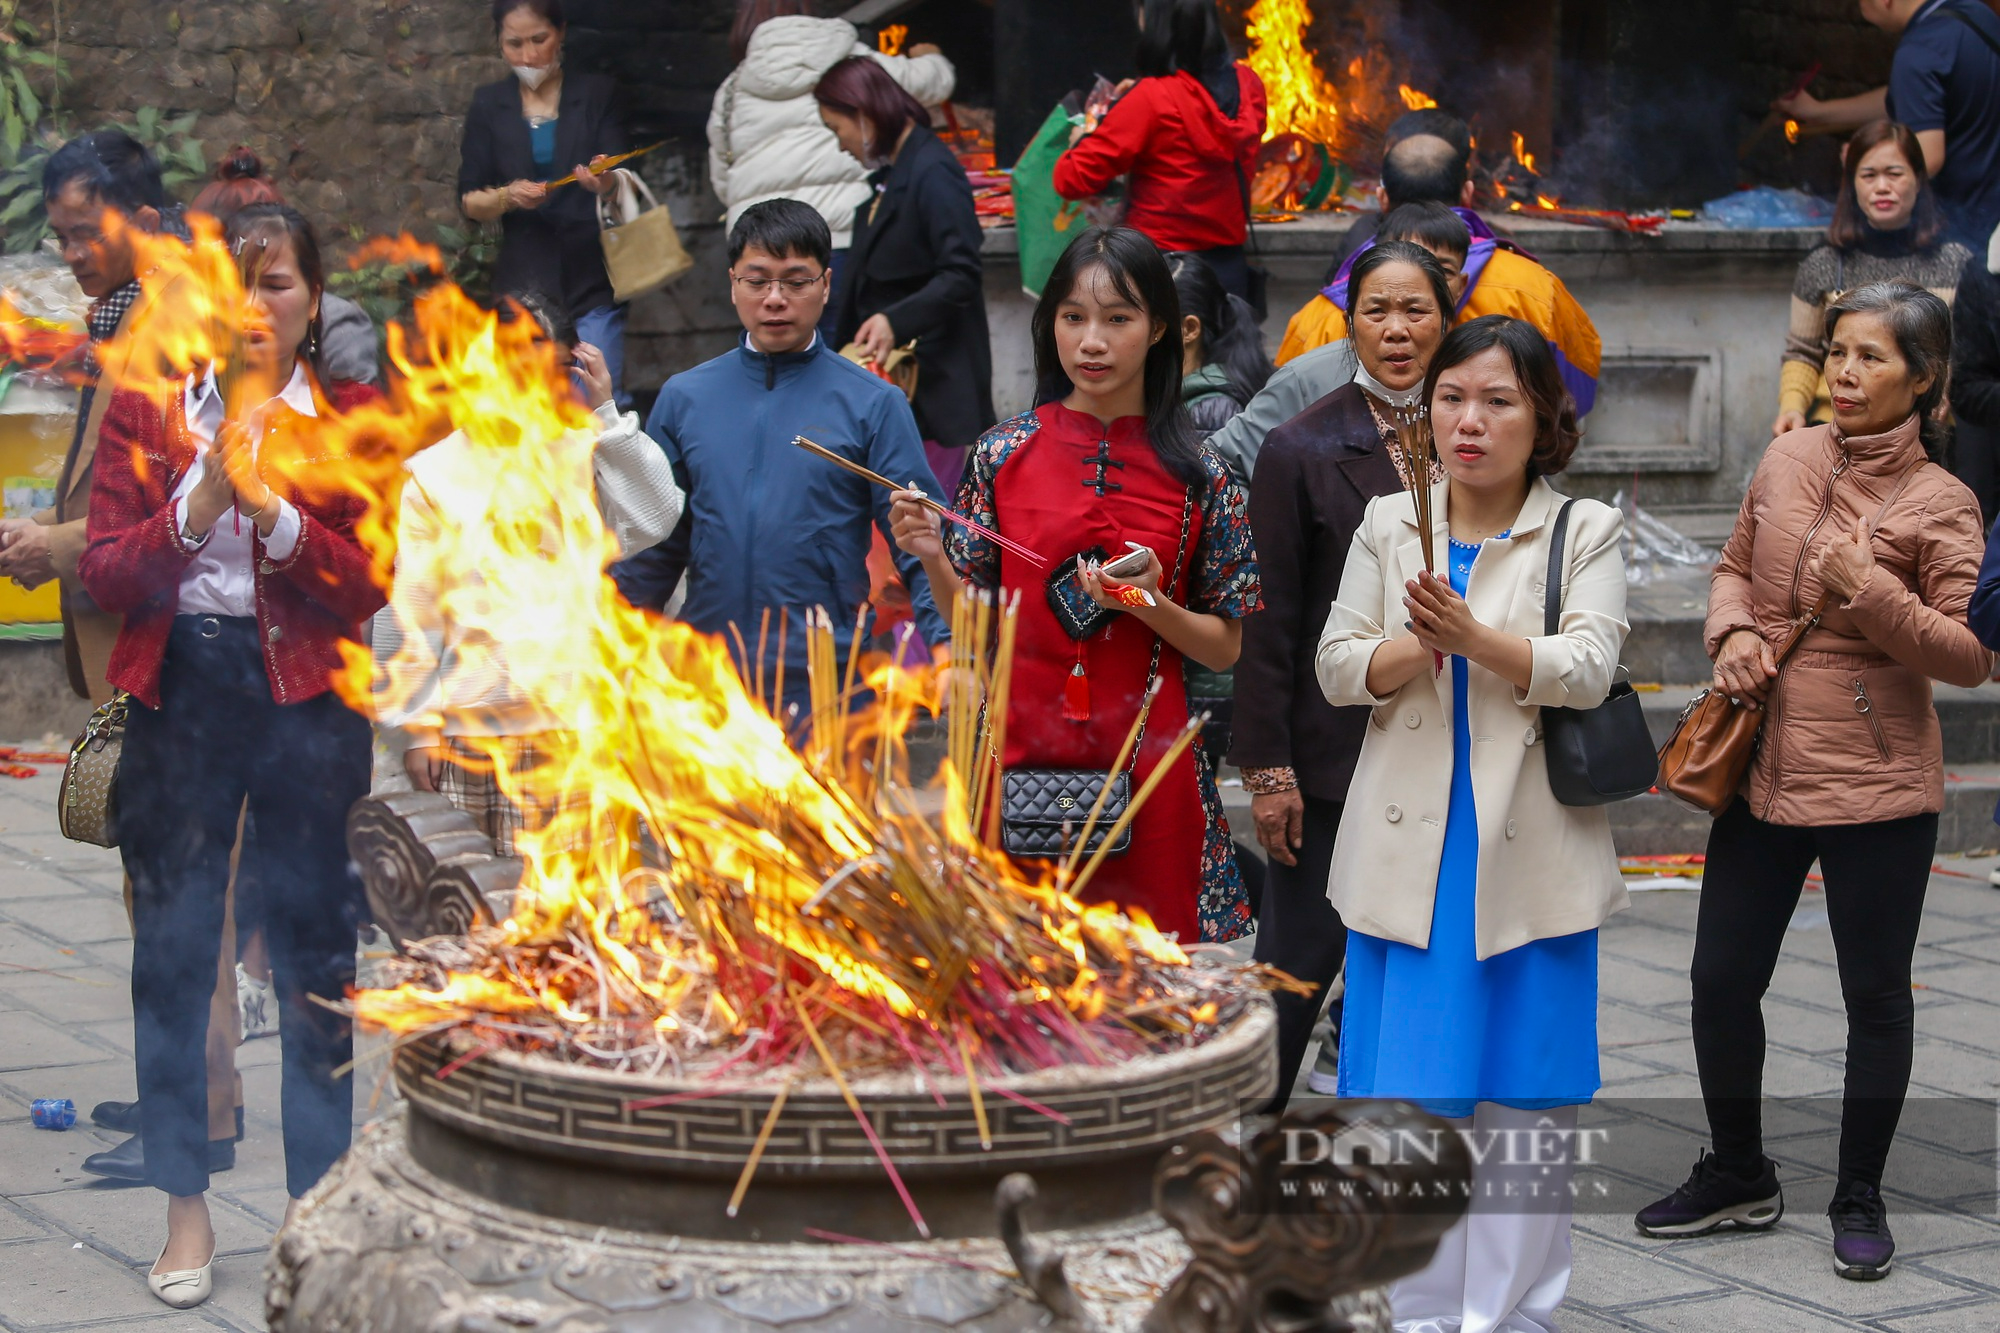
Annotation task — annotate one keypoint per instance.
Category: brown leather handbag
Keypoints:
(1704, 761)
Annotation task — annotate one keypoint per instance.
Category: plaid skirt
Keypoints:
(471, 782)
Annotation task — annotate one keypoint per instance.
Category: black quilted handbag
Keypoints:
(1042, 810)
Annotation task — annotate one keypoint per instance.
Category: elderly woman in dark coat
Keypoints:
(913, 273)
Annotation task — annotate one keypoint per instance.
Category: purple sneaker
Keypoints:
(1862, 1244)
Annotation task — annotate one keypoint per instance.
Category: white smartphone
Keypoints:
(1132, 562)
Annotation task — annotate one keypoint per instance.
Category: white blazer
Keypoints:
(765, 137)
(1545, 869)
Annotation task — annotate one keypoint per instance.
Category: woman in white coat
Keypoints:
(1472, 897)
(765, 137)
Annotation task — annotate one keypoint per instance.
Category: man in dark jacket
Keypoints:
(1975, 387)
(768, 528)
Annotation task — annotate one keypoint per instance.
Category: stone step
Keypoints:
(1657, 825)
(1969, 719)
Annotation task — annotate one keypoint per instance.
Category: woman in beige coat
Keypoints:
(1856, 529)
(1472, 897)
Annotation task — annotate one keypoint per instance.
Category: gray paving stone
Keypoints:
(1743, 1311)
(1795, 1260)
(30, 1042)
(1609, 1275)
(130, 1225)
(1972, 1315)
(49, 1283)
(83, 993)
(80, 916)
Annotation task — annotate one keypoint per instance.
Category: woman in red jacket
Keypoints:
(229, 549)
(1187, 134)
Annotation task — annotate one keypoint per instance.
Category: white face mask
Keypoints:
(534, 76)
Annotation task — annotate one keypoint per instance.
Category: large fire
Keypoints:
(1343, 116)
(708, 897)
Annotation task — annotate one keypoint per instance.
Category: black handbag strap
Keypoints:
(1166, 590)
(1973, 24)
(1552, 592)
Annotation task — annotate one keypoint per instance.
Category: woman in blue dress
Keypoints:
(1471, 895)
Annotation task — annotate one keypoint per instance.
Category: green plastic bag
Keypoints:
(1044, 222)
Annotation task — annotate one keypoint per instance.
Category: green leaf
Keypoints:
(149, 122)
(23, 206)
(31, 105)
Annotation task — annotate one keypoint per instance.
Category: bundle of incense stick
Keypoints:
(1419, 445)
(950, 516)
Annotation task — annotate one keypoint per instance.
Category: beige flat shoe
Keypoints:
(183, 1288)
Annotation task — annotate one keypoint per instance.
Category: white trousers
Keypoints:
(1501, 1269)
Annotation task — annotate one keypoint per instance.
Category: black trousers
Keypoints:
(1299, 932)
(216, 738)
(1876, 875)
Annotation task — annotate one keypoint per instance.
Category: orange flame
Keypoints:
(1300, 99)
(1522, 155)
(1414, 100)
(1791, 131)
(889, 41)
(689, 843)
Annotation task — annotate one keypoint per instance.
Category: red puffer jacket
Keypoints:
(134, 561)
(1188, 163)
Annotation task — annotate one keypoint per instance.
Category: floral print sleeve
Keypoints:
(1225, 582)
(977, 558)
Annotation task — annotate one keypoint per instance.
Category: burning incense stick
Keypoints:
(615, 160)
(757, 1148)
(949, 515)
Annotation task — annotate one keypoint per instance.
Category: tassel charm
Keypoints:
(1076, 691)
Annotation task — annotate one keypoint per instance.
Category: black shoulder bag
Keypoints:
(1595, 755)
(1042, 809)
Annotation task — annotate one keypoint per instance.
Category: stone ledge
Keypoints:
(1315, 234)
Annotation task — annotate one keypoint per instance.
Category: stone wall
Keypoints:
(356, 107)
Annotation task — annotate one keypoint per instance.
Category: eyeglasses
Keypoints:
(791, 286)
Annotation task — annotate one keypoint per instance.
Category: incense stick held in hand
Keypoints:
(948, 515)
(616, 159)
(1419, 444)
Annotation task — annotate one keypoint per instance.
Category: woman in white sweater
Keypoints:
(444, 684)
(765, 137)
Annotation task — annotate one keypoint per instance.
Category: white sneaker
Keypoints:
(257, 1005)
(1324, 1076)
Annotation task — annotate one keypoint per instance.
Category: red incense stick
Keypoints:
(952, 516)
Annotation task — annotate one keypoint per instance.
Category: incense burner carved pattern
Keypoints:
(521, 1193)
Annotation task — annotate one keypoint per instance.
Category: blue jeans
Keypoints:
(604, 329)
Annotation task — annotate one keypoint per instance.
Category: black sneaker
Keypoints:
(1862, 1244)
(1713, 1197)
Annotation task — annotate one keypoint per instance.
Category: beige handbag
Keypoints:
(642, 250)
(87, 803)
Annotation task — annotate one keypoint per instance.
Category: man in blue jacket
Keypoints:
(768, 526)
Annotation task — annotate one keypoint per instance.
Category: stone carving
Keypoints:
(427, 867)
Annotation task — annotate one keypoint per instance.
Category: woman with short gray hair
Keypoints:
(1852, 531)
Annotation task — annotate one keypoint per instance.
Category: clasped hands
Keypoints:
(228, 481)
(1440, 619)
(1745, 666)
